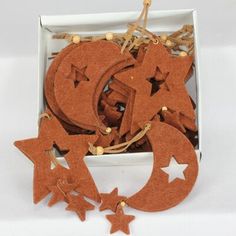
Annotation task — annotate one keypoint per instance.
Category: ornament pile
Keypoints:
(104, 97)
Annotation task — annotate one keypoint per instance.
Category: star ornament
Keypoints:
(79, 205)
(120, 221)
(37, 150)
(111, 200)
(175, 170)
(60, 191)
(172, 93)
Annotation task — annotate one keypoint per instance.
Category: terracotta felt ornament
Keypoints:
(77, 100)
(173, 95)
(39, 151)
(110, 94)
(174, 173)
(49, 89)
(163, 191)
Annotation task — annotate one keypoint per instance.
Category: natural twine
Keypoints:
(133, 27)
(99, 150)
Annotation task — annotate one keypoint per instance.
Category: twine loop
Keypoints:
(147, 2)
(133, 27)
(99, 150)
(45, 115)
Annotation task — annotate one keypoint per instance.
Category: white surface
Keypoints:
(211, 207)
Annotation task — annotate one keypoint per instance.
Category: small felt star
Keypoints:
(110, 200)
(120, 221)
(175, 170)
(173, 118)
(79, 205)
(60, 191)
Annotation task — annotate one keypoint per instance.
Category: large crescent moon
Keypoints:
(100, 60)
(158, 194)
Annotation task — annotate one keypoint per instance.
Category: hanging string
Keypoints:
(133, 27)
(119, 147)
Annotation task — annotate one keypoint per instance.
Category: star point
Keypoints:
(79, 205)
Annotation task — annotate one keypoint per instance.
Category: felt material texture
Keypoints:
(171, 94)
(49, 83)
(59, 191)
(79, 205)
(107, 76)
(105, 140)
(77, 101)
(172, 118)
(111, 200)
(49, 90)
(159, 194)
(120, 221)
(76, 146)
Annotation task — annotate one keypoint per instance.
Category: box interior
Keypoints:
(97, 24)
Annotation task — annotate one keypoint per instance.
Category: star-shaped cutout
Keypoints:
(110, 200)
(155, 85)
(77, 75)
(37, 150)
(60, 191)
(175, 170)
(120, 221)
(79, 205)
(56, 151)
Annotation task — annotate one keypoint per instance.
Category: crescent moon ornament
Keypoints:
(49, 90)
(98, 60)
(164, 189)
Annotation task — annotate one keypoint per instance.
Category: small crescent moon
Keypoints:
(158, 194)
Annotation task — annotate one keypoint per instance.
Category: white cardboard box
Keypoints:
(97, 24)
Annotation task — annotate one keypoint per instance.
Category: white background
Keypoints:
(211, 207)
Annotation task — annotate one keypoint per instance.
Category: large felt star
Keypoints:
(175, 170)
(110, 200)
(79, 205)
(38, 149)
(171, 94)
(120, 221)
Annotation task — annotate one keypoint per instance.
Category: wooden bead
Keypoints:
(183, 54)
(109, 36)
(169, 43)
(99, 150)
(108, 130)
(76, 39)
(122, 203)
(164, 37)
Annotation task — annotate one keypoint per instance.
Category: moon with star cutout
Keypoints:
(165, 189)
